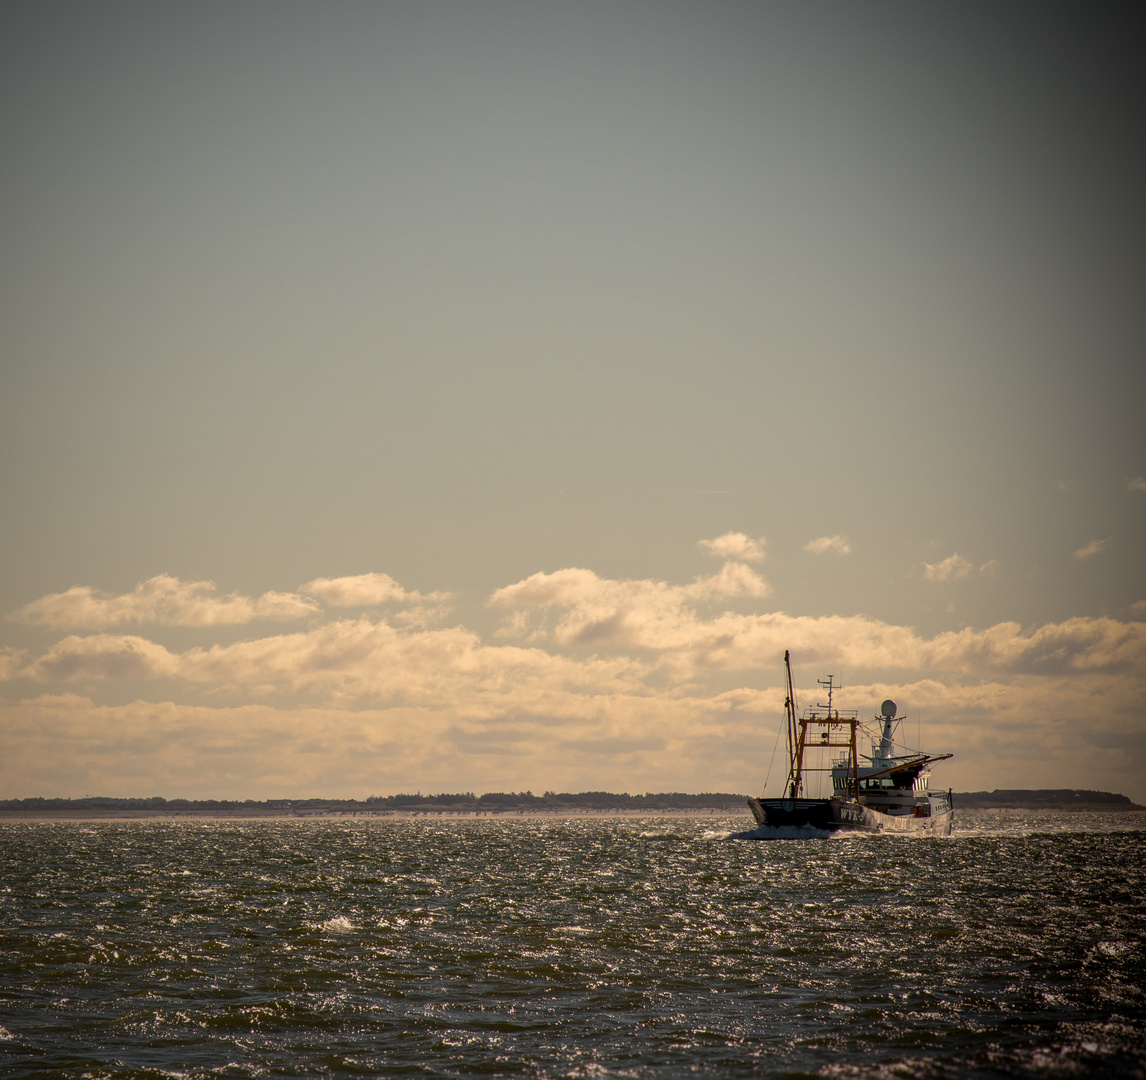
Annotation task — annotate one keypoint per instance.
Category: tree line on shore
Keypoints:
(1048, 798)
(509, 802)
(465, 802)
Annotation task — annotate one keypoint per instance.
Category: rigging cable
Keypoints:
(773, 758)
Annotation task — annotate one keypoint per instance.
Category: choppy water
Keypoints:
(570, 947)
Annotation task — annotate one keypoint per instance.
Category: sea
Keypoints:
(572, 947)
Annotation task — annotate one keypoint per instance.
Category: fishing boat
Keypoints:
(890, 793)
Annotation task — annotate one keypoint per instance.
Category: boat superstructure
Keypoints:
(890, 793)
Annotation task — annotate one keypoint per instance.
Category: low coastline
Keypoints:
(348, 815)
(503, 805)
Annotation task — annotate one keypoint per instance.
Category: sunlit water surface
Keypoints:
(593, 947)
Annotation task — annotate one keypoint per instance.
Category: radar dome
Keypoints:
(887, 709)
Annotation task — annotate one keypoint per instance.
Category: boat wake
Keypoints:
(785, 832)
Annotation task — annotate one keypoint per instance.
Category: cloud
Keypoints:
(1138, 608)
(1032, 733)
(733, 580)
(599, 612)
(651, 616)
(365, 590)
(593, 682)
(11, 661)
(989, 569)
(1138, 483)
(353, 661)
(952, 568)
(602, 637)
(1074, 645)
(162, 600)
(103, 656)
(55, 741)
(360, 660)
(1091, 549)
(838, 544)
(736, 545)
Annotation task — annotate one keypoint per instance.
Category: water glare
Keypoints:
(646, 947)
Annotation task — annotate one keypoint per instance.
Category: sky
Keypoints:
(482, 396)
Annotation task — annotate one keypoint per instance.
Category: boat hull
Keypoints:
(837, 815)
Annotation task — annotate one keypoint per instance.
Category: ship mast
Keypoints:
(790, 710)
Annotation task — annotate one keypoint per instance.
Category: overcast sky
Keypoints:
(483, 396)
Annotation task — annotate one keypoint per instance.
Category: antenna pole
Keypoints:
(828, 682)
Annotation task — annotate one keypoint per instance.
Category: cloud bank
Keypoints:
(162, 601)
(628, 648)
(636, 684)
(166, 601)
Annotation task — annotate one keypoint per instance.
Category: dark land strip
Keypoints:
(496, 803)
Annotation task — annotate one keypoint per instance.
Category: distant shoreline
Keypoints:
(500, 805)
(348, 815)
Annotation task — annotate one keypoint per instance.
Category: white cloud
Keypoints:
(67, 741)
(952, 568)
(162, 600)
(736, 545)
(989, 569)
(605, 637)
(1078, 645)
(634, 684)
(1089, 733)
(362, 661)
(733, 580)
(365, 590)
(1088, 551)
(351, 661)
(602, 613)
(838, 544)
(648, 615)
(1138, 483)
(103, 656)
